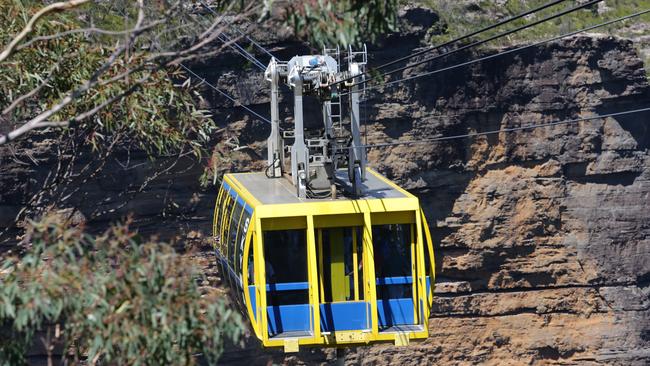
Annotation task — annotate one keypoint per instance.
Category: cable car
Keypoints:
(334, 254)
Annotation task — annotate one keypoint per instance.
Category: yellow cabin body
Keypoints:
(325, 272)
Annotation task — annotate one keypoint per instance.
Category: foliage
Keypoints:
(120, 300)
(153, 113)
(329, 22)
(135, 95)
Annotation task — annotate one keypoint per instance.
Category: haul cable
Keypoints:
(226, 95)
(458, 39)
(492, 132)
(489, 57)
(483, 41)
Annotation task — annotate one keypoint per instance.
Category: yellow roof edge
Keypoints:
(390, 183)
(254, 202)
(241, 190)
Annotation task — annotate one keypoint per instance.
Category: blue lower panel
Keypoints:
(288, 318)
(344, 316)
(251, 292)
(395, 312)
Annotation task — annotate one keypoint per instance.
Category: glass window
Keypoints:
(225, 216)
(285, 257)
(244, 224)
(427, 264)
(251, 265)
(217, 212)
(233, 244)
(340, 261)
(392, 254)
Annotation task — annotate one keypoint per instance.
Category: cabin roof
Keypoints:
(270, 191)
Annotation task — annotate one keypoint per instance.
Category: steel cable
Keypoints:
(237, 104)
(483, 41)
(492, 132)
(600, 25)
(458, 39)
(252, 41)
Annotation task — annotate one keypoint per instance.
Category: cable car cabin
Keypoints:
(325, 272)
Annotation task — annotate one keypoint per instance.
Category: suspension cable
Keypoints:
(492, 132)
(252, 41)
(244, 54)
(239, 49)
(483, 41)
(489, 57)
(458, 39)
(264, 119)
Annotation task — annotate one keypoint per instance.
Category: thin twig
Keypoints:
(37, 122)
(29, 27)
(75, 31)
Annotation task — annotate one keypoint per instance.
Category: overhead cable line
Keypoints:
(264, 119)
(223, 37)
(229, 42)
(492, 132)
(239, 49)
(252, 41)
(492, 38)
(428, 73)
(247, 56)
(461, 38)
(237, 104)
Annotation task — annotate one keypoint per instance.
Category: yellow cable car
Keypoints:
(325, 272)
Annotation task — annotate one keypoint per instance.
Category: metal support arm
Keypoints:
(299, 152)
(274, 142)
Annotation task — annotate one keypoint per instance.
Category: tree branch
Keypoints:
(84, 30)
(112, 99)
(64, 5)
(151, 62)
(37, 121)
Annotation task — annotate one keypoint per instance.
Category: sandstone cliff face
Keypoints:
(542, 236)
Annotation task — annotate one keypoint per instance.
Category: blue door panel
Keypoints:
(344, 316)
(395, 312)
(288, 318)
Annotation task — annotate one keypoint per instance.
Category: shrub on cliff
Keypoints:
(115, 298)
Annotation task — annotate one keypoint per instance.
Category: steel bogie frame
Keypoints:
(236, 203)
(313, 160)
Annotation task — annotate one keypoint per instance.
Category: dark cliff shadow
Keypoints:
(636, 124)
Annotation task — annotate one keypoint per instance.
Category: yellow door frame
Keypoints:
(224, 228)
(249, 245)
(238, 226)
(217, 216)
(321, 270)
(355, 263)
(260, 276)
(228, 227)
(432, 262)
(369, 273)
(312, 277)
(355, 260)
(420, 274)
(414, 273)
